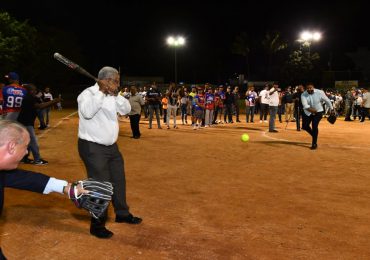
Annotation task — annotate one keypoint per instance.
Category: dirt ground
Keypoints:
(205, 194)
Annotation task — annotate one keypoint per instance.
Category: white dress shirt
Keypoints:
(55, 185)
(98, 115)
(314, 101)
(273, 97)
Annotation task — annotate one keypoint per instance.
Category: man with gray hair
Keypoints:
(97, 136)
(14, 139)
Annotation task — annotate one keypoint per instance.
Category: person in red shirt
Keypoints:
(209, 106)
(13, 95)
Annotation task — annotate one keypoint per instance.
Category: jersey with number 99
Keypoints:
(13, 95)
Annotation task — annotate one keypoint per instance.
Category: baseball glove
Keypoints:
(332, 118)
(97, 200)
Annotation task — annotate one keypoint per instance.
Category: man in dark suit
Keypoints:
(14, 139)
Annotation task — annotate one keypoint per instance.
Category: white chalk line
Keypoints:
(329, 145)
(56, 125)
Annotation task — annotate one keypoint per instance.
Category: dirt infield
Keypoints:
(205, 194)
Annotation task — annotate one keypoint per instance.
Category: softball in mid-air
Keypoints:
(245, 137)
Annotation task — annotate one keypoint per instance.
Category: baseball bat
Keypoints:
(74, 66)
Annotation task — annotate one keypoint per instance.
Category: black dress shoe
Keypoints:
(101, 232)
(130, 219)
(273, 131)
(313, 147)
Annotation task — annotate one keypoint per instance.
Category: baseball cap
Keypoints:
(13, 76)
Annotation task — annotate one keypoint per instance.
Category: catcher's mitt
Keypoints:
(97, 200)
(332, 118)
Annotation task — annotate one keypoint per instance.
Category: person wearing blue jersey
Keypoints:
(13, 95)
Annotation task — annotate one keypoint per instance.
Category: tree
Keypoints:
(240, 47)
(17, 43)
(301, 66)
(272, 44)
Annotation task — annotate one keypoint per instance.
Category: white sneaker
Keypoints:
(260, 121)
(265, 121)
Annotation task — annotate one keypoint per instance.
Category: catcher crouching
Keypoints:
(14, 139)
(98, 130)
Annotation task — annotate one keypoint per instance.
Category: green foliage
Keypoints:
(240, 46)
(273, 43)
(30, 52)
(17, 43)
(46, 70)
(300, 66)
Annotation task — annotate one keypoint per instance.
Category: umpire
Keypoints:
(98, 132)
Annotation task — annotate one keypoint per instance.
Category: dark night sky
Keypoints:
(132, 34)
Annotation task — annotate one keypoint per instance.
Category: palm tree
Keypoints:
(240, 47)
(273, 44)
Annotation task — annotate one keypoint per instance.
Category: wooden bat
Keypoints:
(74, 66)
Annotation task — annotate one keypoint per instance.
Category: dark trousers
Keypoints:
(298, 114)
(105, 163)
(155, 109)
(164, 115)
(215, 114)
(146, 110)
(249, 111)
(348, 109)
(273, 110)
(357, 112)
(314, 120)
(229, 113)
(47, 115)
(263, 111)
(184, 115)
(134, 122)
(40, 116)
(2, 257)
(281, 110)
(364, 113)
(237, 111)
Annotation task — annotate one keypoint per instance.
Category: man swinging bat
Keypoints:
(97, 136)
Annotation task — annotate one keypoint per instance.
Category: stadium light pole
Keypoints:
(308, 37)
(175, 42)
